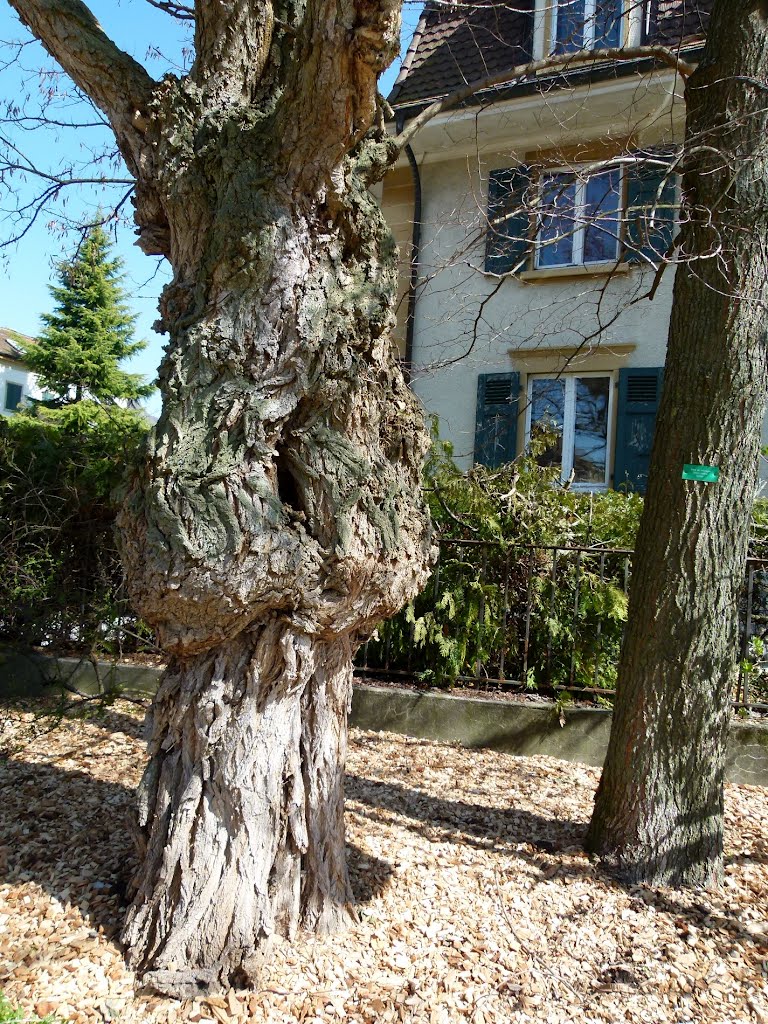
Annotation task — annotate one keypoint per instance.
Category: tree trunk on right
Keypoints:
(658, 814)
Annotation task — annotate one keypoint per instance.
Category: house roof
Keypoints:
(672, 22)
(458, 42)
(9, 344)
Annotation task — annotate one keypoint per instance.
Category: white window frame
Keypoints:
(580, 221)
(569, 422)
(590, 9)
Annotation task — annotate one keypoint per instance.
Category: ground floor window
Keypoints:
(578, 408)
(13, 394)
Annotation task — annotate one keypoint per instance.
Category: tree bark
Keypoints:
(242, 804)
(659, 808)
(277, 521)
(279, 516)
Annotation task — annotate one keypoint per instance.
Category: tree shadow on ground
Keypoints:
(537, 841)
(439, 819)
(69, 833)
(98, 711)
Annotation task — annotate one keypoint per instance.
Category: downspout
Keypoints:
(410, 321)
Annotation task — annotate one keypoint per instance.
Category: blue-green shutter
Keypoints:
(498, 396)
(651, 210)
(507, 243)
(639, 394)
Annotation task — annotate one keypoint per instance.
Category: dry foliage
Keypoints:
(476, 902)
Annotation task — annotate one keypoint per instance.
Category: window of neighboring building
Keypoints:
(13, 394)
(586, 25)
(577, 408)
(579, 218)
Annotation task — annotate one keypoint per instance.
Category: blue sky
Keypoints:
(26, 268)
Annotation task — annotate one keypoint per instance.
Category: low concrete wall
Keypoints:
(512, 727)
(529, 728)
(32, 675)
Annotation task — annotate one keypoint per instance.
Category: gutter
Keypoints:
(410, 322)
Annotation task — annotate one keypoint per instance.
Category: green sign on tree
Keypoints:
(706, 474)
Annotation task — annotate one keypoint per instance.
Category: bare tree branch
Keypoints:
(223, 70)
(65, 181)
(557, 61)
(116, 83)
(180, 11)
(33, 123)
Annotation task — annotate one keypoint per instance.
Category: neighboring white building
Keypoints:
(16, 381)
(545, 209)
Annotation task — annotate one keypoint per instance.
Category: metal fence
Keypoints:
(752, 692)
(544, 619)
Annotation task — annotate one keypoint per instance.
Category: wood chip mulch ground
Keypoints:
(476, 902)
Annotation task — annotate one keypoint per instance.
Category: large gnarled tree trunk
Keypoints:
(659, 807)
(279, 515)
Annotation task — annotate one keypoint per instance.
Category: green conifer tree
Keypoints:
(78, 354)
(63, 462)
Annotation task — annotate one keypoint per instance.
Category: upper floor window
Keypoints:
(586, 25)
(543, 219)
(579, 218)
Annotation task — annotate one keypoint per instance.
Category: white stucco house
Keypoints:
(536, 285)
(17, 382)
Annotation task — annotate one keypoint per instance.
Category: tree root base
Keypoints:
(193, 982)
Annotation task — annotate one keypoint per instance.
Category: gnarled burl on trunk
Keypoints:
(279, 514)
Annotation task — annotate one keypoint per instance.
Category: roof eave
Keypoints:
(579, 76)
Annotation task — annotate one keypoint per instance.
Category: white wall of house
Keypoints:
(468, 322)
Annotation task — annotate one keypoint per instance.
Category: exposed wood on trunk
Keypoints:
(242, 805)
(225, 72)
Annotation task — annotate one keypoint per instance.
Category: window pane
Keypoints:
(590, 446)
(12, 396)
(569, 31)
(547, 412)
(556, 221)
(601, 213)
(607, 23)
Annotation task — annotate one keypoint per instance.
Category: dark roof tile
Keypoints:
(9, 343)
(672, 21)
(456, 43)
